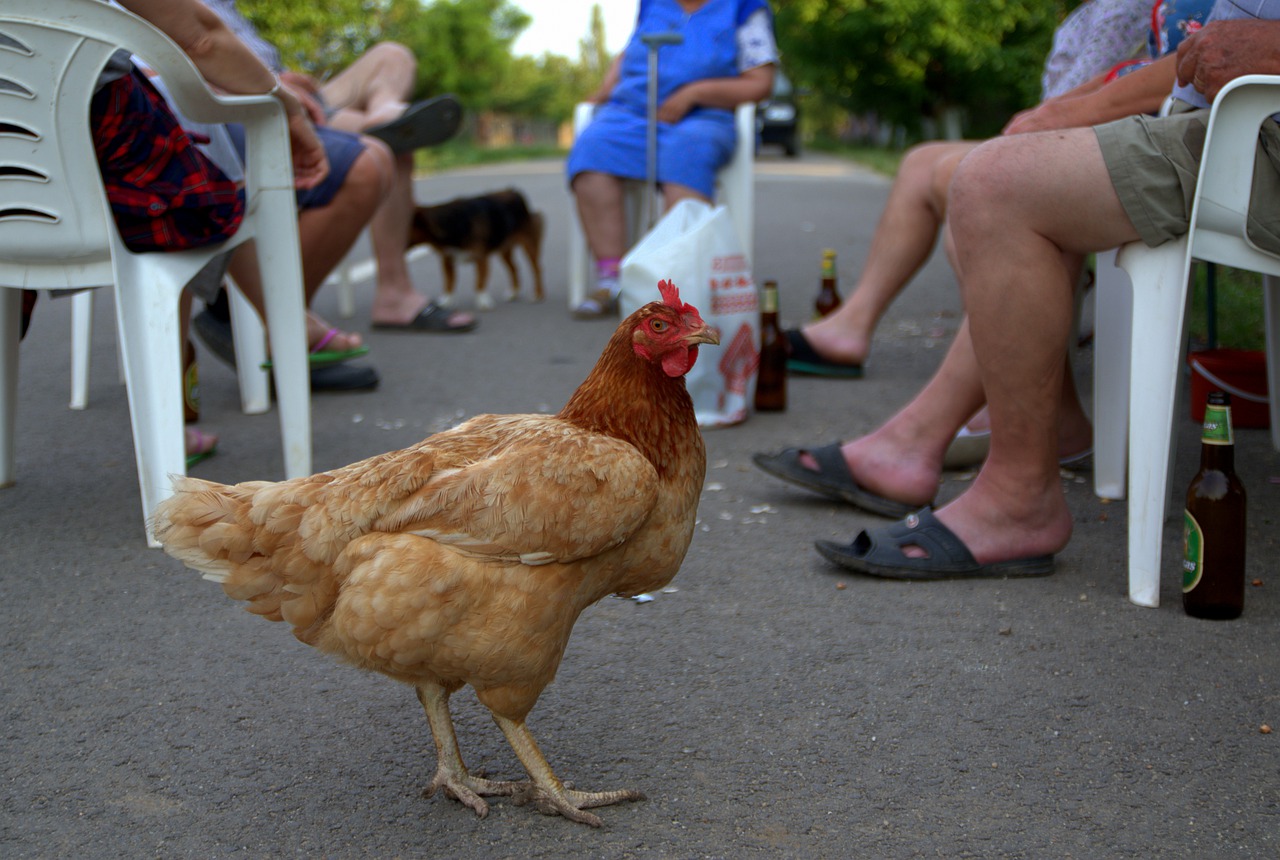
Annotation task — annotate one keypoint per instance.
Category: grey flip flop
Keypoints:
(832, 478)
(878, 552)
(424, 123)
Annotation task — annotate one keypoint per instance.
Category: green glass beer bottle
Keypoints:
(1213, 534)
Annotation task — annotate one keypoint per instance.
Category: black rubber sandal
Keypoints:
(878, 552)
(832, 478)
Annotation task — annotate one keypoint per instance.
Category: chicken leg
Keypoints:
(545, 790)
(451, 773)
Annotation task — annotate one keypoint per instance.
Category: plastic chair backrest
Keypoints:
(1149, 332)
(56, 230)
(1218, 217)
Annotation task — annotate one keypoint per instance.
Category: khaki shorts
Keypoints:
(1154, 163)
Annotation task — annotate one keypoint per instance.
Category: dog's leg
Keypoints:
(531, 241)
(450, 270)
(484, 301)
(513, 292)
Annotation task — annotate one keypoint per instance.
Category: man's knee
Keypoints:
(393, 54)
(369, 179)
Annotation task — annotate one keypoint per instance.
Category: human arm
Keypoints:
(228, 64)
(750, 86)
(601, 95)
(1224, 50)
(1142, 91)
(307, 90)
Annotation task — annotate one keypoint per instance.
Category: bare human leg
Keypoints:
(396, 302)
(1018, 294)
(325, 234)
(373, 90)
(904, 238)
(600, 209)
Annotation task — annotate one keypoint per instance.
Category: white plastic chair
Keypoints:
(56, 230)
(735, 189)
(1141, 337)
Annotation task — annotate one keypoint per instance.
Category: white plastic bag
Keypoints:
(697, 248)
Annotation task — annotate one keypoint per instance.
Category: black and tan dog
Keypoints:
(474, 228)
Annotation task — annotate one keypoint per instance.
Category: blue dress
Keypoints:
(693, 149)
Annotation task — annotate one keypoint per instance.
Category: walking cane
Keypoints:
(654, 41)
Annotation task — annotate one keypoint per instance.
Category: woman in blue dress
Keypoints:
(726, 58)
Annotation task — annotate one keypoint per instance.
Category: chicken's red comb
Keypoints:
(671, 296)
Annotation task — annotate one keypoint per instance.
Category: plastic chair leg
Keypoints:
(10, 324)
(81, 341)
(286, 322)
(346, 291)
(147, 326)
(251, 350)
(1159, 278)
(579, 258)
(1113, 323)
(1271, 311)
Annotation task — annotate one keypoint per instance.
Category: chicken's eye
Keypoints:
(659, 325)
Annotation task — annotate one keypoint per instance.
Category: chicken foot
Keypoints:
(451, 773)
(546, 791)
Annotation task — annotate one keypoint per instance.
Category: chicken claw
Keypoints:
(545, 791)
(451, 773)
(470, 790)
(571, 803)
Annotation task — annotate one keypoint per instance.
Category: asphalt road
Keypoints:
(767, 705)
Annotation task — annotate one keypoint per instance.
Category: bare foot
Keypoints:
(198, 444)
(888, 466)
(321, 335)
(1003, 523)
(833, 340)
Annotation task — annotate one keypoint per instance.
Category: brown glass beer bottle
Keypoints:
(771, 377)
(828, 298)
(1213, 534)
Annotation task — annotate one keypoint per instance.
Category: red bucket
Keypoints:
(1242, 373)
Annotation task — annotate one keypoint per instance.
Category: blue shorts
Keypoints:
(690, 152)
(342, 149)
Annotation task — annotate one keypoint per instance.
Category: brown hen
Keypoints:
(467, 558)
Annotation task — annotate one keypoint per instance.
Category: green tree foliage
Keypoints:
(904, 60)
(319, 38)
(462, 46)
(593, 55)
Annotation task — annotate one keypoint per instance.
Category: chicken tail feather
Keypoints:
(231, 535)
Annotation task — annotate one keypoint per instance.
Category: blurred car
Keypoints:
(778, 117)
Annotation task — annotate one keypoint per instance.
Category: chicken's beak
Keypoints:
(703, 334)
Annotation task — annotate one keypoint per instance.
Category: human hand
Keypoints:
(1021, 121)
(1221, 51)
(678, 104)
(310, 163)
(310, 105)
(1045, 116)
(300, 82)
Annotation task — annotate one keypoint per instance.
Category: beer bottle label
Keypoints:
(828, 264)
(769, 301)
(1192, 552)
(1217, 426)
(191, 392)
